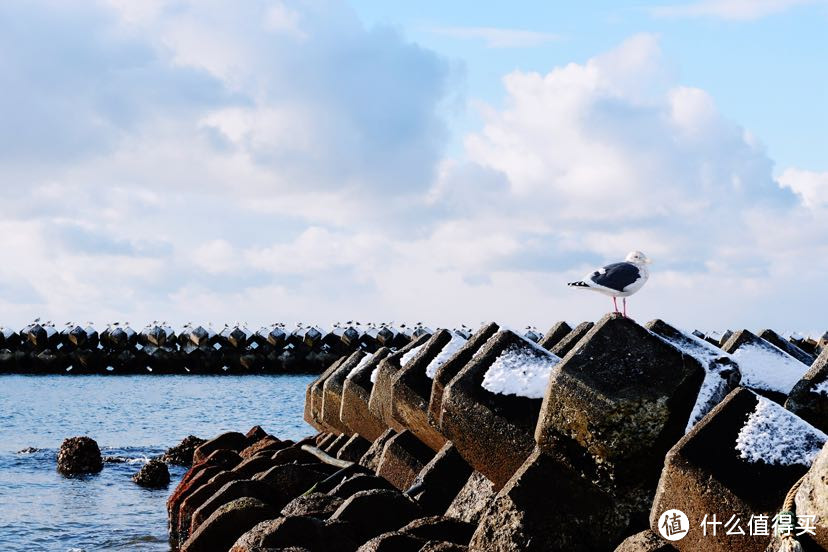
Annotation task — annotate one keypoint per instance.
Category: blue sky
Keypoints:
(453, 162)
(763, 71)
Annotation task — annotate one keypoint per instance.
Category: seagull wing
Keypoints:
(615, 276)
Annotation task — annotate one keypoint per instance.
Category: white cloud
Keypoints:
(811, 186)
(497, 37)
(280, 161)
(730, 9)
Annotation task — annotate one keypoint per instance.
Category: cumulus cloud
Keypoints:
(810, 186)
(280, 161)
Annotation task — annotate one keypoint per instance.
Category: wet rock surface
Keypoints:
(154, 475)
(79, 455)
(182, 453)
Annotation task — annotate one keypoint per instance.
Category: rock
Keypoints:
(326, 441)
(440, 528)
(624, 397)
(371, 458)
(473, 500)
(613, 407)
(354, 449)
(293, 454)
(246, 469)
(356, 393)
(645, 541)
(411, 390)
(154, 475)
(197, 498)
(452, 367)
(547, 506)
(79, 455)
(197, 476)
(333, 447)
(402, 459)
(393, 541)
(569, 341)
(182, 453)
(233, 440)
(555, 334)
(438, 483)
(722, 374)
(267, 443)
(359, 482)
(28, 450)
(296, 532)
(255, 434)
(291, 480)
(382, 394)
(705, 473)
(224, 458)
(313, 398)
(809, 397)
(232, 490)
(318, 505)
(441, 546)
(812, 497)
(377, 511)
(775, 339)
(766, 369)
(221, 530)
(492, 431)
(332, 389)
(115, 459)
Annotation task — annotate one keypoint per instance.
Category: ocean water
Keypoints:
(136, 417)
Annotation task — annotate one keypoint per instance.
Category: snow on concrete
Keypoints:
(521, 370)
(411, 353)
(454, 345)
(821, 388)
(714, 387)
(362, 362)
(765, 366)
(774, 435)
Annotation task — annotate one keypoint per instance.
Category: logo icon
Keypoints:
(673, 525)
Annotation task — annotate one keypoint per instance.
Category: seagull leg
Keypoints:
(614, 304)
(624, 302)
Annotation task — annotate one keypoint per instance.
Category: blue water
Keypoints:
(132, 416)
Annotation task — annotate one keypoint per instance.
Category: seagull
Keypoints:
(618, 279)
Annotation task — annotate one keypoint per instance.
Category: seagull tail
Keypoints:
(578, 284)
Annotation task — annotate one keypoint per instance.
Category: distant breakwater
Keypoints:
(41, 348)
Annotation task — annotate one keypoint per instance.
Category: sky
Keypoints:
(378, 160)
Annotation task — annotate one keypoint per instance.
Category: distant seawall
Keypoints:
(159, 349)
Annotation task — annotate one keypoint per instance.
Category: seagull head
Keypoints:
(637, 257)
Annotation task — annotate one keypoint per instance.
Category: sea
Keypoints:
(133, 417)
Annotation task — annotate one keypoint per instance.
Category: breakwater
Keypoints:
(40, 348)
(582, 441)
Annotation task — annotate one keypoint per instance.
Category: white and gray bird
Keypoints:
(618, 279)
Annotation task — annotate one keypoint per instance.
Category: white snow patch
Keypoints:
(362, 362)
(454, 345)
(522, 371)
(411, 353)
(765, 366)
(774, 435)
(821, 388)
(713, 387)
